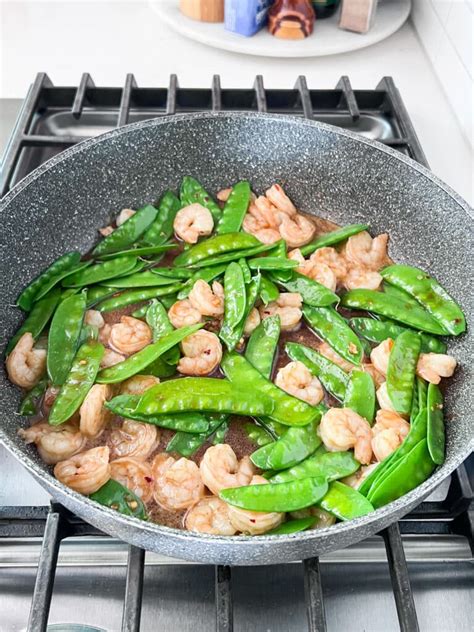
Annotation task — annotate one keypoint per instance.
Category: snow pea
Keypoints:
(187, 444)
(218, 245)
(63, 337)
(54, 281)
(334, 237)
(272, 263)
(235, 304)
(220, 433)
(344, 502)
(60, 266)
(383, 304)
(84, 369)
(293, 526)
(97, 293)
(332, 377)
(251, 294)
(245, 270)
(203, 394)
(430, 294)
(128, 233)
(139, 279)
(268, 290)
(173, 273)
(292, 448)
(401, 371)
(234, 255)
(288, 410)
(29, 404)
(435, 431)
(206, 274)
(235, 208)
(360, 394)
(88, 332)
(290, 496)
(329, 465)
(312, 292)
(409, 472)
(192, 191)
(162, 227)
(379, 330)
(158, 321)
(262, 345)
(129, 297)
(102, 271)
(160, 368)
(332, 328)
(257, 434)
(138, 361)
(168, 300)
(139, 251)
(37, 319)
(120, 498)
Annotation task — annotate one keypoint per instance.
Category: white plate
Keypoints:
(327, 38)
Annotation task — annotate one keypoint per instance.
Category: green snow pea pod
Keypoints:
(332, 377)
(232, 336)
(187, 444)
(203, 394)
(235, 304)
(47, 287)
(397, 293)
(292, 448)
(140, 313)
(218, 245)
(312, 292)
(332, 328)
(272, 263)
(234, 255)
(334, 237)
(379, 330)
(128, 233)
(138, 361)
(290, 496)
(130, 297)
(102, 271)
(328, 465)
(84, 369)
(173, 273)
(288, 410)
(268, 290)
(262, 345)
(220, 433)
(162, 227)
(60, 266)
(37, 319)
(386, 305)
(344, 502)
(140, 251)
(401, 371)
(120, 498)
(168, 300)
(63, 338)
(430, 294)
(257, 434)
(29, 404)
(435, 433)
(160, 368)
(206, 274)
(88, 332)
(139, 279)
(409, 472)
(192, 191)
(235, 208)
(158, 321)
(293, 526)
(360, 394)
(245, 270)
(422, 392)
(97, 293)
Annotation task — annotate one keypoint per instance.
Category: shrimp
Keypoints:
(111, 358)
(220, 468)
(355, 480)
(207, 301)
(85, 472)
(202, 353)
(134, 439)
(138, 384)
(252, 321)
(182, 314)
(330, 257)
(105, 231)
(280, 200)
(362, 250)
(381, 354)
(209, 515)
(329, 353)
(361, 278)
(377, 377)
(297, 230)
(319, 272)
(25, 364)
(178, 484)
(261, 221)
(288, 308)
(49, 398)
(135, 475)
(295, 378)
(266, 235)
(104, 334)
(389, 430)
(93, 415)
(433, 366)
(383, 398)
(130, 335)
(223, 194)
(125, 213)
(94, 317)
(254, 522)
(342, 428)
(192, 222)
(322, 518)
(54, 443)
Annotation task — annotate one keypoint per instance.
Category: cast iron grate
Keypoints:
(347, 107)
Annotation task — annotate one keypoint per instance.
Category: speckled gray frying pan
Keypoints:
(326, 171)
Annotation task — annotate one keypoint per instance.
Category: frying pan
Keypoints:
(327, 172)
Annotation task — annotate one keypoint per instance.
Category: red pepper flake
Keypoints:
(148, 479)
(253, 520)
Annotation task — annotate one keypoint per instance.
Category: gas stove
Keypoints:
(417, 574)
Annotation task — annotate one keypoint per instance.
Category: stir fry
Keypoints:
(235, 366)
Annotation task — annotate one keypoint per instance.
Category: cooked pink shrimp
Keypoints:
(111, 358)
(220, 468)
(94, 317)
(182, 314)
(383, 398)
(133, 439)
(223, 194)
(389, 430)
(252, 322)
(124, 215)
(322, 518)
(295, 378)
(261, 221)
(433, 366)
(355, 480)
(92, 413)
(207, 301)
(130, 335)
(296, 230)
(85, 472)
(134, 475)
(138, 384)
(381, 354)
(319, 272)
(362, 278)
(25, 364)
(49, 398)
(329, 353)
(280, 200)
(377, 377)
(54, 443)
(287, 307)
(202, 353)
(266, 235)
(330, 257)
(192, 222)
(362, 250)
(178, 484)
(209, 515)
(104, 334)
(342, 428)
(254, 522)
